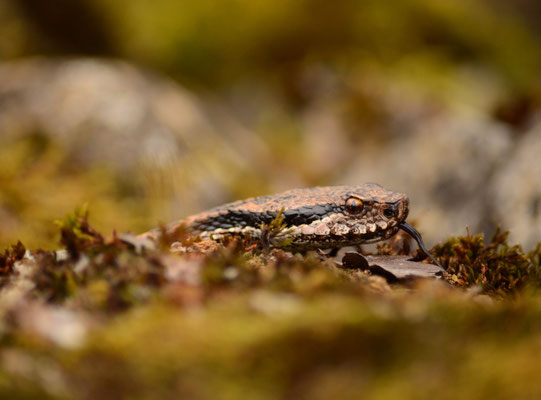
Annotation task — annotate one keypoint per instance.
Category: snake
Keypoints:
(323, 217)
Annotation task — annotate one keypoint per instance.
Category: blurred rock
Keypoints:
(445, 166)
(60, 325)
(515, 190)
(461, 167)
(147, 127)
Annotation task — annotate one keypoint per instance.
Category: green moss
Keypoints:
(277, 39)
(235, 321)
(497, 267)
(39, 182)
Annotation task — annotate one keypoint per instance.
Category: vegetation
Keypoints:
(106, 317)
(318, 86)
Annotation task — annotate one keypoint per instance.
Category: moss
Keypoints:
(497, 267)
(10, 257)
(39, 181)
(270, 234)
(236, 321)
(275, 39)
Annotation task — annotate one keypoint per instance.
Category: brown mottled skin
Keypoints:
(318, 217)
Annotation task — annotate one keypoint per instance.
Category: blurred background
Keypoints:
(150, 111)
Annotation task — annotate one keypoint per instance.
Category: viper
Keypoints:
(313, 218)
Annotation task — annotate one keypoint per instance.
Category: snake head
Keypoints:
(372, 212)
(349, 215)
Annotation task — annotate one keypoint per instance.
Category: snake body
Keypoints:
(318, 217)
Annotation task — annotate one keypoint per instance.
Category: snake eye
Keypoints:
(354, 206)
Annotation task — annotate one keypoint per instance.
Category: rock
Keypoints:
(461, 167)
(147, 127)
(515, 190)
(444, 165)
(392, 268)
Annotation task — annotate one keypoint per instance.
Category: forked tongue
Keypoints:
(417, 236)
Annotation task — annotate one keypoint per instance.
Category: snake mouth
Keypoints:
(410, 230)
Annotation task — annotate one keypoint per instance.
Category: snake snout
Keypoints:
(392, 210)
(397, 210)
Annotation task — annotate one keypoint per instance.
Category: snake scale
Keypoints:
(315, 218)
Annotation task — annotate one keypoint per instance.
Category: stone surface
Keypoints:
(515, 190)
(461, 167)
(392, 268)
(142, 124)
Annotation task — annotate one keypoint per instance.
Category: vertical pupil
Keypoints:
(354, 205)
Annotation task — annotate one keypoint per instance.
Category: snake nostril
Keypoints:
(391, 210)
